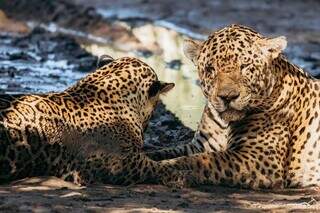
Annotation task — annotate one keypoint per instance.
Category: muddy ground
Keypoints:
(33, 60)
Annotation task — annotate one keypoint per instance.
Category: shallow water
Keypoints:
(186, 99)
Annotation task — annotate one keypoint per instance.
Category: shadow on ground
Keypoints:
(52, 194)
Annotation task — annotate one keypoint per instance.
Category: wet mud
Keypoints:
(41, 62)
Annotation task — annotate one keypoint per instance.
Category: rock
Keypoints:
(174, 64)
(144, 53)
(10, 25)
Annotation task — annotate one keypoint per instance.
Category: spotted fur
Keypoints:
(270, 109)
(91, 132)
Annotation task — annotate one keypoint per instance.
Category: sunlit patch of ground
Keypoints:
(48, 194)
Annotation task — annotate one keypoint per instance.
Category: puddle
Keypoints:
(186, 99)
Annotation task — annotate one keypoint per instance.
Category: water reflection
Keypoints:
(186, 99)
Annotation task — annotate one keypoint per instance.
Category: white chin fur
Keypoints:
(218, 105)
(216, 116)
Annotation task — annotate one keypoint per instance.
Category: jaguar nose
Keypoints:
(228, 96)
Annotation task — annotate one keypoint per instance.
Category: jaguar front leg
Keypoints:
(234, 168)
(131, 168)
(142, 169)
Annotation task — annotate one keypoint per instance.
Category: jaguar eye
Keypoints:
(242, 66)
(209, 69)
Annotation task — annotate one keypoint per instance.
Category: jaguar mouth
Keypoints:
(228, 114)
(231, 114)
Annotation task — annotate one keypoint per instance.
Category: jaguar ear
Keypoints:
(159, 87)
(166, 87)
(104, 60)
(191, 49)
(272, 47)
